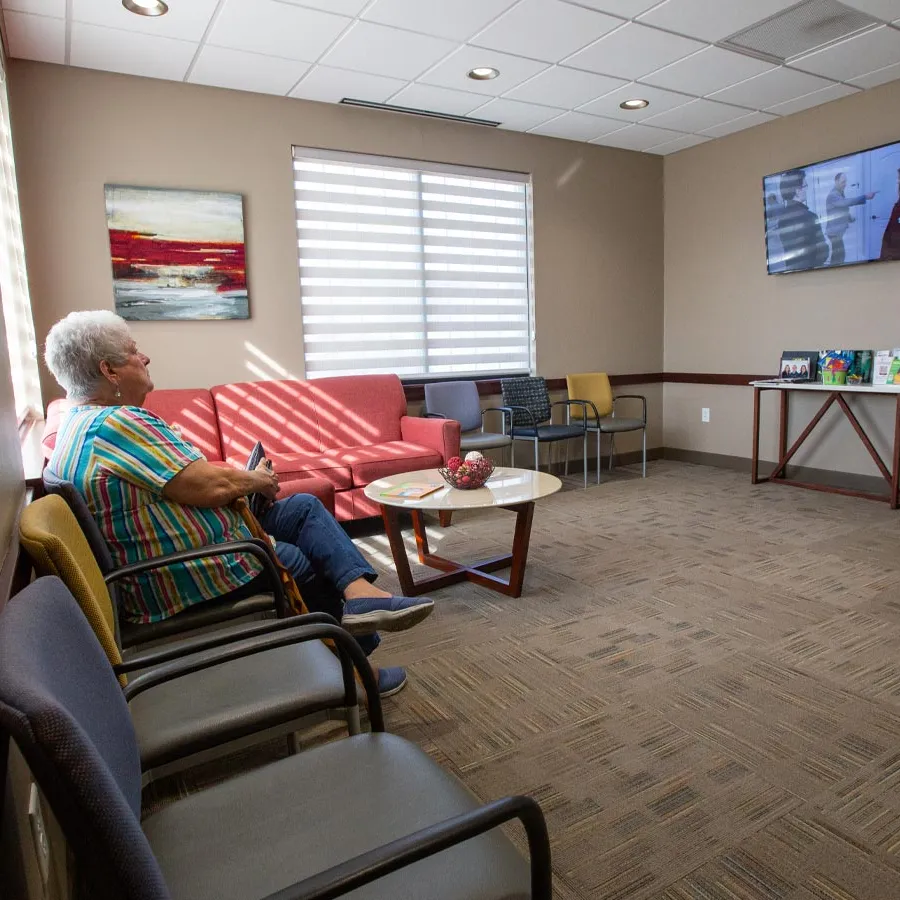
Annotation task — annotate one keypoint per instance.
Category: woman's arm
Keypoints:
(202, 484)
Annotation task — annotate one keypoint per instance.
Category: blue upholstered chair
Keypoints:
(528, 403)
(459, 400)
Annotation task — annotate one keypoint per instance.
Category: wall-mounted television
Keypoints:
(837, 212)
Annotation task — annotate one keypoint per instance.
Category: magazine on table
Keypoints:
(413, 490)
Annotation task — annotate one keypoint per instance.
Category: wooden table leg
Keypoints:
(895, 471)
(390, 515)
(754, 461)
(783, 426)
(521, 539)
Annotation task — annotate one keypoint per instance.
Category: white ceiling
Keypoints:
(565, 65)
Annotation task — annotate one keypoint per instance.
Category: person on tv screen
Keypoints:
(801, 235)
(838, 217)
(890, 243)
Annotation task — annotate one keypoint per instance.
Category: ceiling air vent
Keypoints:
(800, 29)
(368, 104)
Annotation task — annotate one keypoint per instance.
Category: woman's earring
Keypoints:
(118, 393)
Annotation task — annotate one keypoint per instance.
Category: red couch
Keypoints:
(329, 437)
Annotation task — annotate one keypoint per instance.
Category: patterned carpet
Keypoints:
(701, 686)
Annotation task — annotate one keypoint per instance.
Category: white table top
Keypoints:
(816, 386)
(505, 487)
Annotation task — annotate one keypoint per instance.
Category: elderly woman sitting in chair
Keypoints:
(152, 492)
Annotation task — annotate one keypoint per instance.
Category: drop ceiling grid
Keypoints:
(565, 64)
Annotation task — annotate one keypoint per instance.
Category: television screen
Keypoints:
(834, 213)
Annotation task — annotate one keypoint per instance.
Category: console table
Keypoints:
(833, 394)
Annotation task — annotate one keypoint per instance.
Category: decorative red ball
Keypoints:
(454, 463)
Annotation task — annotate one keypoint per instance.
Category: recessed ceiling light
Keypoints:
(146, 7)
(634, 104)
(483, 73)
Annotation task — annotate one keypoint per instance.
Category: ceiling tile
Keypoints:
(577, 127)
(826, 95)
(451, 72)
(545, 29)
(35, 37)
(386, 51)
(55, 8)
(879, 76)
(279, 29)
(627, 9)
(709, 70)
(632, 52)
(329, 85)
(775, 86)
(515, 115)
(744, 122)
(437, 99)
(341, 7)
(682, 143)
(453, 19)
(855, 56)
(696, 116)
(888, 10)
(223, 67)
(660, 101)
(637, 137)
(186, 21)
(712, 21)
(568, 88)
(113, 50)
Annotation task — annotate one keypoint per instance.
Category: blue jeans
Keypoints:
(318, 553)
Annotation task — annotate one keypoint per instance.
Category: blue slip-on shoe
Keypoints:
(370, 614)
(391, 681)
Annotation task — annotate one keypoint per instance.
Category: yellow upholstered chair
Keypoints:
(593, 388)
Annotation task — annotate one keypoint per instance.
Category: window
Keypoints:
(13, 279)
(418, 269)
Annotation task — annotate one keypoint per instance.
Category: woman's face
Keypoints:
(134, 382)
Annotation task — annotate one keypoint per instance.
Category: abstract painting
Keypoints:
(177, 254)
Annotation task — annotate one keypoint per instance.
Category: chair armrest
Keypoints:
(640, 397)
(505, 410)
(265, 554)
(512, 410)
(209, 641)
(367, 867)
(440, 435)
(570, 403)
(282, 634)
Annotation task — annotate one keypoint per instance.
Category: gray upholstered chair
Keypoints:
(528, 403)
(130, 634)
(372, 814)
(459, 400)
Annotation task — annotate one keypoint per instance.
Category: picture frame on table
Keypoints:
(798, 365)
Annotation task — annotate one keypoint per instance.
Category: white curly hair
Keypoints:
(77, 344)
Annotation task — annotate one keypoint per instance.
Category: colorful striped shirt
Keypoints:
(120, 458)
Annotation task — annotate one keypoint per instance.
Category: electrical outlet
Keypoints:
(39, 836)
(704, 414)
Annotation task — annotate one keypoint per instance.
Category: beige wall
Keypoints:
(597, 211)
(723, 313)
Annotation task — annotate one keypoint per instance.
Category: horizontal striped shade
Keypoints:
(421, 272)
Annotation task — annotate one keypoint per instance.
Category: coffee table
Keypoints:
(512, 489)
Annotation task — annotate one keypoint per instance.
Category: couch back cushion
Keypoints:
(309, 416)
(191, 409)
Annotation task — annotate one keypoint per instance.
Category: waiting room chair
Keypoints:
(528, 403)
(595, 392)
(238, 684)
(459, 400)
(372, 814)
(202, 615)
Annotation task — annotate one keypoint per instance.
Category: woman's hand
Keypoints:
(268, 480)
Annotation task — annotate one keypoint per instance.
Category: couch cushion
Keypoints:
(193, 412)
(357, 410)
(292, 466)
(391, 458)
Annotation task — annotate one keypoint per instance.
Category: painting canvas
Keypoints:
(177, 254)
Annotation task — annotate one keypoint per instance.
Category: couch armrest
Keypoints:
(441, 435)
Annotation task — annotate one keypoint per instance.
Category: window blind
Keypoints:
(13, 278)
(421, 271)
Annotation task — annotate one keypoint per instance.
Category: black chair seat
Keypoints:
(232, 841)
(549, 432)
(483, 440)
(200, 615)
(234, 699)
